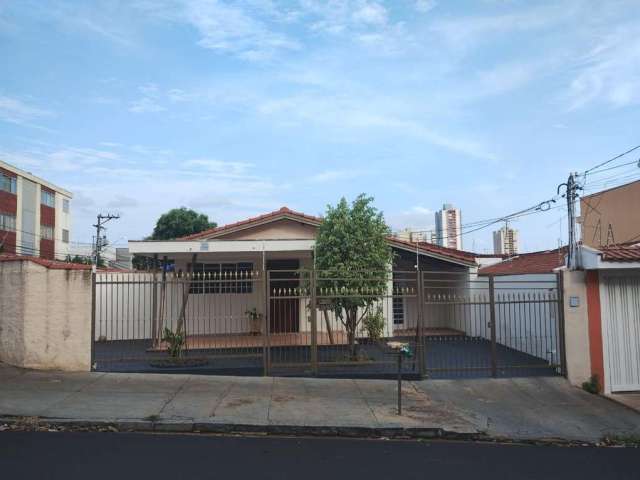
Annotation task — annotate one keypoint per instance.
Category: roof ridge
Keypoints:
(284, 211)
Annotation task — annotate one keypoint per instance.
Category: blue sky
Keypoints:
(237, 108)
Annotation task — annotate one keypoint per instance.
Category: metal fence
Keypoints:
(307, 322)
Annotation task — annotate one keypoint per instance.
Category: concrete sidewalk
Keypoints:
(532, 408)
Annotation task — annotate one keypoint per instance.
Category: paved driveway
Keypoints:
(533, 408)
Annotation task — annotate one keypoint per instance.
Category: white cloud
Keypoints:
(145, 105)
(224, 27)
(336, 175)
(371, 13)
(610, 71)
(14, 110)
(418, 218)
(425, 6)
(140, 191)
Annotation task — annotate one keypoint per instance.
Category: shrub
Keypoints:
(175, 342)
(374, 324)
(592, 385)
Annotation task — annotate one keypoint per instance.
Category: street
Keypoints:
(129, 455)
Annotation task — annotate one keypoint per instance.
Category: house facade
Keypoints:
(229, 260)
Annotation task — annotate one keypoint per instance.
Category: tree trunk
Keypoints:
(352, 315)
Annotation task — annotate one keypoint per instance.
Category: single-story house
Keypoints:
(280, 242)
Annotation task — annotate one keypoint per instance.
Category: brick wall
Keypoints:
(48, 218)
(8, 204)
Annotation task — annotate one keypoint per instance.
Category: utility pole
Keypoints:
(571, 194)
(102, 219)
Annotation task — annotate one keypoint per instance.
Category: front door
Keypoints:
(284, 313)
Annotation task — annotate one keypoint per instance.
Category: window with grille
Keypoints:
(7, 183)
(398, 310)
(7, 222)
(222, 278)
(65, 236)
(65, 205)
(46, 232)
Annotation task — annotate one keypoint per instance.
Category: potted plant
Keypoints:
(255, 321)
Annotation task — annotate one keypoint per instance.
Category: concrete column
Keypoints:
(576, 319)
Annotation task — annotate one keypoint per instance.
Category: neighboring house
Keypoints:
(525, 279)
(35, 215)
(284, 240)
(545, 262)
(612, 278)
(607, 217)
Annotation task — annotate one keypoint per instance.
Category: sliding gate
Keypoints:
(315, 323)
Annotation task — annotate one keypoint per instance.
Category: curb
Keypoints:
(135, 425)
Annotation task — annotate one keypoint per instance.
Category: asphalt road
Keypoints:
(118, 456)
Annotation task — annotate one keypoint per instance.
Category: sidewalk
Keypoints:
(516, 409)
(227, 404)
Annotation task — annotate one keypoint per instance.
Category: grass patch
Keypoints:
(624, 440)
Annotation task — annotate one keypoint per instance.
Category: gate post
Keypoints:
(266, 346)
(314, 325)
(492, 313)
(93, 318)
(420, 343)
(155, 320)
(561, 332)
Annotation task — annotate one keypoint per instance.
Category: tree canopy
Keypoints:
(353, 260)
(179, 222)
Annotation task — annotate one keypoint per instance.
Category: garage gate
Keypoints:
(620, 298)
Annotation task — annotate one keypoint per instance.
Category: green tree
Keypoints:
(353, 260)
(175, 223)
(179, 222)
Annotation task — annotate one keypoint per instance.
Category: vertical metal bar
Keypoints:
(420, 345)
(492, 310)
(399, 383)
(93, 319)
(266, 352)
(314, 325)
(154, 301)
(560, 306)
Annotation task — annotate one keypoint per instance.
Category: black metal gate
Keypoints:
(306, 322)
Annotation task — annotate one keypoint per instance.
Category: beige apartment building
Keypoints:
(611, 216)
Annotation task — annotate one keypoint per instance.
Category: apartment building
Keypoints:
(35, 215)
(448, 227)
(505, 241)
(423, 236)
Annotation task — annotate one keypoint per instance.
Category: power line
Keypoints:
(611, 160)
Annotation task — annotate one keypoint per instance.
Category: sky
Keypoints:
(236, 108)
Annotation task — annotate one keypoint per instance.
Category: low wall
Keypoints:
(45, 316)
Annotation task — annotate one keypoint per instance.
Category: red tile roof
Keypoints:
(284, 212)
(51, 264)
(527, 263)
(620, 253)
(452, 253)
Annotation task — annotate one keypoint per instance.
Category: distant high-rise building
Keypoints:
(505, 241)
(427, 236)
(448, 227)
